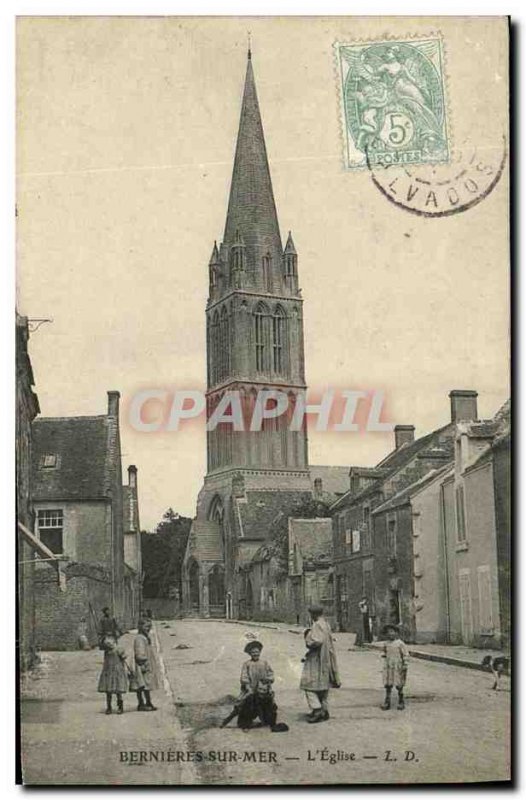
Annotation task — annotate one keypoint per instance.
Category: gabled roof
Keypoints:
(258, 511)
(251, 206)
(437, 445)
(86, 458)
(404, 496)
(402, 455)
(313, 537)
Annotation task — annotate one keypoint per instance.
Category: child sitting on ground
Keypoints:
(396, 661)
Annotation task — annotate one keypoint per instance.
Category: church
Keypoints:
(254, 325)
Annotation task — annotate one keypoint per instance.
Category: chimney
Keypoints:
(132, 476)
(463, 405)
(113, 404)
(318, 488)
(404, 434)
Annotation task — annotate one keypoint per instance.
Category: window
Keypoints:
(391, 536)
(461, 514)
(366, 517)
(259, 324)
(49, 461)
(277, 340)
(290, 264)
(348, 537)
(50, 529)
(355, 542)
(267, 273)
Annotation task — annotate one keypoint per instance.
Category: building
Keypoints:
(254, 325)
(373, 529)
(425, 535)
(77, 497)
(290, 571)
(476, 509)
(27, 409)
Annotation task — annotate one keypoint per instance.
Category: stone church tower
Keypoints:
(254, 342)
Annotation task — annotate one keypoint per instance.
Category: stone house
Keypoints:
(373, 545)
(77, 497)
(290, 571)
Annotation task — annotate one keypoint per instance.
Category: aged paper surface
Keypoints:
(263, 425)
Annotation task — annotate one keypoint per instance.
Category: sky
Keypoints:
(125, 144)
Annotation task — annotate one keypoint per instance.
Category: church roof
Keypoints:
(289, 247)
(205, 542)
(251, 206)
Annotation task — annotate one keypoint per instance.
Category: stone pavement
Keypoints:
(68, 739)
(454, 728)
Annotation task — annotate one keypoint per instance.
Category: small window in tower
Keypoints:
(267, 272)
(49, 461)
(259, 323)
(290, 266)
(277, 340)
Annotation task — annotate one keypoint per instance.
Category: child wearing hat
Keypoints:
(396, 662)
(257, 697)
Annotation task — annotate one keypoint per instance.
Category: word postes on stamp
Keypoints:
(393, 102)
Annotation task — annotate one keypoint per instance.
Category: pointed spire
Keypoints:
(214, 258)
(289, 247)
(251, 207)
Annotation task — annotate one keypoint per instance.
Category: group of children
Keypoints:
(118, 676)
(257, 700)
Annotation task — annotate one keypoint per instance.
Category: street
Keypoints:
(454, 728)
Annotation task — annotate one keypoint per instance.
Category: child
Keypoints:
(396, 661)
(113, 678)
(257, 697)
(144, 678)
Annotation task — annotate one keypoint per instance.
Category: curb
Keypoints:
(439, 659)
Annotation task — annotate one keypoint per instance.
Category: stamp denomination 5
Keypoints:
(393, 102)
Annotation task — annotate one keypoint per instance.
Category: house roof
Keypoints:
(257, 513)
(404, 496)
(499, 428)
(85, 457)
(437, 444)
(403, 454)
(313, 537)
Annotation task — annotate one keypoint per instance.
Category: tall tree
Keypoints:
(163, 554)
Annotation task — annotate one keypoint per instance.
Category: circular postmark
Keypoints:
(440, 190)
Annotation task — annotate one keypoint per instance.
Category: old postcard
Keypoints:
(263, 414)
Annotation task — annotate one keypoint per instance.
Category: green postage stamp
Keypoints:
(393, 102)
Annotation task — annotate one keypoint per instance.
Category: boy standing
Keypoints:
(396, 662)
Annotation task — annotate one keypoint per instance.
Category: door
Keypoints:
(466, 616)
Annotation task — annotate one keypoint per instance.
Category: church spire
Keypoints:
(251, 207)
